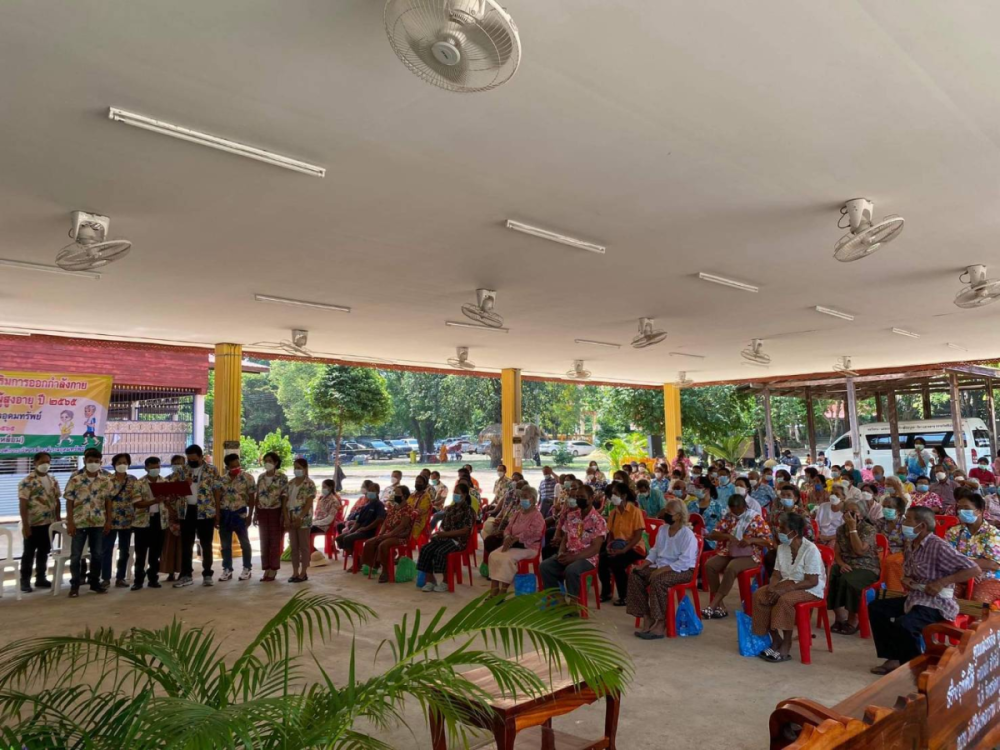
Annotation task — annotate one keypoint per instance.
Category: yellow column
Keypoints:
(510, 396)
(671, 420)
(228, 400)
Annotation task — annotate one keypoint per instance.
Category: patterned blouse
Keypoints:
(984, 543)
(757, 528)
(300, 509)
(140, 518)
(88, 495)
(399, 513)
(270, 490)
(866, 561)
(43, 504)
(423, 505)
(500, 487)
(235, 492)
(711, 514)
(581, 532)
(206, 490)
(927, 500)
(122, 499)
(458, 516)
(778, 510)
(528, 528)
(893, 532)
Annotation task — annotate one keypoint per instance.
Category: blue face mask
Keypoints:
(889, 514)
(698, 493)
(910, 532)
(967, 516)
(371, 495)
(456, 498)
(769, 482)
(677, 493)
(788, 502)
(525, 504)
(784, 538)
(923, 487)
(571, 502)
(723, 481)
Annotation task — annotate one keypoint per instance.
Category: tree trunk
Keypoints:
(336, 447)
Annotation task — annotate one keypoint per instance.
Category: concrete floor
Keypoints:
(692, 692)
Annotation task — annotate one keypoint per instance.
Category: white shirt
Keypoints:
(46, 481)
(808, 562)
(828, 519)
(677, 552)
(195, 483)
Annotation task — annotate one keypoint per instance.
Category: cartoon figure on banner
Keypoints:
(90, 424)
(65, 426)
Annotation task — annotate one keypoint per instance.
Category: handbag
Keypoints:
(688, 623)
(750, 644)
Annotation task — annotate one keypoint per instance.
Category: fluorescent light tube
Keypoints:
(727, 282)
(4, 332)
(25, 266)
(599, 343)
(834, 313)
(685, 354)
(300, 303)
(958, 347)
(476, 326)
(903, 332)
(212, 141)
(545, 234)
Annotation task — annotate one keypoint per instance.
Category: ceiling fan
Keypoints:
(578, 372)
(979, 290)
(844, 367)
(648, 335)
(864, 237)
(92, 248)
(461, 360)
(482, 311)
(754, 354)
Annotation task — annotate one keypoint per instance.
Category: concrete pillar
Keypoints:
(890, 403)
(991, 417)
(852, 417)
(811, 426)
(198, 420)
(228, 401)
(956, 422)
(671, 420)
(510, 412)
(768, 427)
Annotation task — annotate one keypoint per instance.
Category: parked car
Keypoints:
(349, 450)
(414, 443)
(379, 449)
(548, 447)
(580, 447)
(401, 447)
(483, 449)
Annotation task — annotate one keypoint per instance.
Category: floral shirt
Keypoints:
(422, 504)
(927, 500)
(663, 485)
(866, 561)
(270, 490)
(122, 499)
(235, 493)
(712, 514)
(329, 510)
(206, 490)
(399, 513)
(458, 516)
(88, 495)
(651, 503)
(764, 494)
(300, 509)
(140, 516)
(500, 487)
(756, 528)
(893, 532)
(43, 503)
(581, 532)
(777, 510)
(984, 543)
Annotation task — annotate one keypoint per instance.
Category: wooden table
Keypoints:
(506, 716)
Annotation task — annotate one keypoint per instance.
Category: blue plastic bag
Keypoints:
(687, 620)
(421, 579)
(750, 644)
(525, 583)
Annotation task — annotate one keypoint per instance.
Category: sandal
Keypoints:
(720, 614)
(618, 603)
(880, 670)
(774, 657)
(766, 653)
(837, 627)
(847, 629)
(707, 613)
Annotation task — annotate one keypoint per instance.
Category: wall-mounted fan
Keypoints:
(482, 312)
(682, 380)
(754, 354)
(979, 290)
(459, 45)
(865, 236)
(92, 248)
(648, 335)
(461, 360)
(844, 367)
(578, 372)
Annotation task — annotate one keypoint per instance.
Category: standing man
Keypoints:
(148, 527)
(919, 461)
(792, 462)
(122, 511)
(88, 513)
(198, 516)
(38, 498)
(547, 491)
(235, 498)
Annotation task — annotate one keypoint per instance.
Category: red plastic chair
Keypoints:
(652, 528)
(592, 575)
(329, 543)
(357, 550)
(703, 558)
(815, 525)
(745, 582)
(697, 522)
(864, 625)
(535, 563)
(803, 611)
(943, 524)
(676, 594)
(462, 558)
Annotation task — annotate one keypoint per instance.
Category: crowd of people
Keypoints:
(853, 526)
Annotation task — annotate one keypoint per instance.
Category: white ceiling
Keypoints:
(711, 136)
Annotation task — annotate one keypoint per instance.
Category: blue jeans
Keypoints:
(94, 535)
(226, 542)
(124, 537)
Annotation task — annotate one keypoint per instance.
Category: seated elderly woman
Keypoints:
(799, 576)
(830, 515)
(978, 540)
(856, 566)
(669, 563)
(623, 546)
(459, 521)
(395, 532)
(890, 525)
(741, 537)
(494, 527)
(523, 537)
(924, 497)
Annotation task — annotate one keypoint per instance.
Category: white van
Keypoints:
(876, 442)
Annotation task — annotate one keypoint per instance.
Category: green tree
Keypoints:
(345, 397)
(277, 443)
(249, 452)
(291, 381)
(262, 412)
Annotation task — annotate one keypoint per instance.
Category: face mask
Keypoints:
(327, 492)
(967, 516)
(878, 477)
(269, 466)
(901, 476)
(889, 514)
(698, 493)
(236, 472)
(42, 468)
(456, 498)
(435, 482)
(395, 481)
(93, 467)
(713, 474)
(668, 519)
(571, 502)
(983, 466)
(723, 481)
(754, 482)
(890, 491)
(371, 495)
(834, 474)
(940, 476)
(783, 537)
(677, 493)
(909, 532)
(615, 500)
(659, 475)
(820, 486)
(154, 473)
(788, 502)
(194, 463)
(525, 504)
(918, 446)
(299, 473)
(121, 469)
(866, 496)
(500, 475)
(923, 487)
(959, 478)
(582, 504)
(177, 467)
(398, 499)
(567, 486)
(741, 491)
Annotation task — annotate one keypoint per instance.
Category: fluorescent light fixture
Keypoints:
(300, 303)
(957, 347)
(5, 332)
(904, 332)
(476, 326)
(212, 141)
(685, 354)
(545, 234)
(834, 313)
(727, 282)
(41, 267)
(599, 343)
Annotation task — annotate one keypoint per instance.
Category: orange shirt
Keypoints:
(624, 521)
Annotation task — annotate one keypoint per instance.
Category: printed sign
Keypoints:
(54, 412)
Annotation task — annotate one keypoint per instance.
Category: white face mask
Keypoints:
(154, 473)
(93, 467)
(120, 468)
(742, 491)
(615, 500)
(395, 480)
(866, 496)
(299, 473)
(940, 476)
(42, 468)
(269, 466)
(500, 475)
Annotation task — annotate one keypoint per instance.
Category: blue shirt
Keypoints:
(652, 503)
(712, 515)
(725, 493)
(764, 494)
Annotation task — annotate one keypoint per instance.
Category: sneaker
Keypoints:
(245, 575)
(43, 583)
(440, 588)
(428, 587)
(155, 585)
(207, 580)
(26, 587)
(183, 581)
(227, 575)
